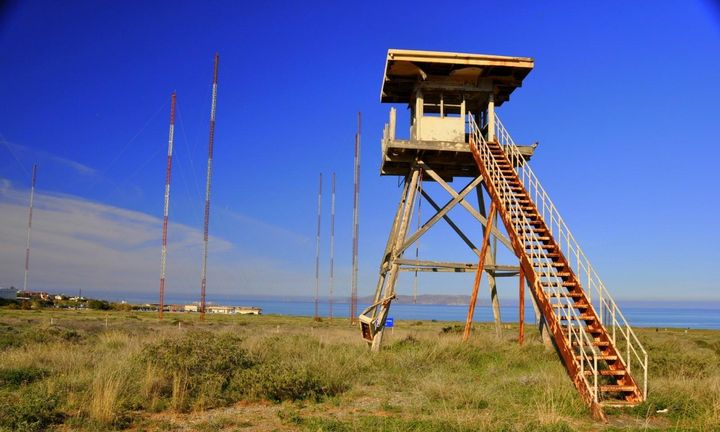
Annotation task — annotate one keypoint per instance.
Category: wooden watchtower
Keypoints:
(440, 89)
(455, 134)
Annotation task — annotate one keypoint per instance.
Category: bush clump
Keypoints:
(284, 381)
(28, 410)
(294, 368)
(196, 369)
(16, 377)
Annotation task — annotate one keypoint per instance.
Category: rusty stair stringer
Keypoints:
(564, 347)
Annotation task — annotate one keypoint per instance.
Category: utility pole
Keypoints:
(316, 317)
(168, 170)
(211, 140)
(332, 245)
(29, 227)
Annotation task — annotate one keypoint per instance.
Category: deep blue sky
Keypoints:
(623, 98)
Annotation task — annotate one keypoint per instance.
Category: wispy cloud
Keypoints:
(77, 243)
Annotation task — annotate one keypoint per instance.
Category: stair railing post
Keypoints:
(521, 312)
(595, 375)
(645, 373)
(628, 342)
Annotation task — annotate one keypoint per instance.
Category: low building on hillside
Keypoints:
(191, 308)
(220, 309)
(246, 310)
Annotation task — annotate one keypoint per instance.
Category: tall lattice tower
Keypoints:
(456, 137)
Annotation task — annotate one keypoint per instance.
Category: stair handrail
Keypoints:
(607, 308)
(512, 207)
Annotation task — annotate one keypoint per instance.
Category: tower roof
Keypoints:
(404, 69)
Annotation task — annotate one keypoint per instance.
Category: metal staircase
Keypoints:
(595, 341)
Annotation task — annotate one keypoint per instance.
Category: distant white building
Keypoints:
(243, 310)
(225, 310)
(221, 309)
(8, 293)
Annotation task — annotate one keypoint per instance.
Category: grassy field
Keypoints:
(83, 370)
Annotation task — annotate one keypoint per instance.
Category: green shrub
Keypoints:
(197, 367)
(98, 305)
(296, 367)
(287, 381)
(9, 337)
(30, 409)
(16, 377)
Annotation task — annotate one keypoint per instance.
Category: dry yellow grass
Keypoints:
(425, 380)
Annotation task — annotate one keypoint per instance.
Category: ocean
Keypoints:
(691, 316)
(653, 314)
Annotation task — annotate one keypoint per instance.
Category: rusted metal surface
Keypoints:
(478, 274)
(589, 318)
(166, 207)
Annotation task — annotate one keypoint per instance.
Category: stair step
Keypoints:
(540, 248)
(574, 305)
(583, 317)
(535, 230)
(600, 357)
(617, 403)
(563, 283)
(608, 372)
(563, 295)
(529, 221)
(557, 274)
(549, 263)
(597, 343)
(539, 238)
(617, 388)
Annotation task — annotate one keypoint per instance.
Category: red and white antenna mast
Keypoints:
(316, 317)
(163, 258)
(332, 246)
(29, 227)
(211, 140)
(356, 226)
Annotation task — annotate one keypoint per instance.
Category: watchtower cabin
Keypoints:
(440, 89)
(455, 134)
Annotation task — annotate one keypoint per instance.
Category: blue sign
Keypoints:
(390, 322)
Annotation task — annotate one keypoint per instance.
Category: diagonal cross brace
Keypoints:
(439, 215)
(459, 198)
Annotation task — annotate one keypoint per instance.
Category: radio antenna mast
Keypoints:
(29, 227)
(168, 170)
(211, 140)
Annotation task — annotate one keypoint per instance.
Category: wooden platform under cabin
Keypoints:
(448, 159)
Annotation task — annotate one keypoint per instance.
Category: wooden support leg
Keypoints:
(521, 303)
(478, 274)
(391, 268)
(492, 282)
